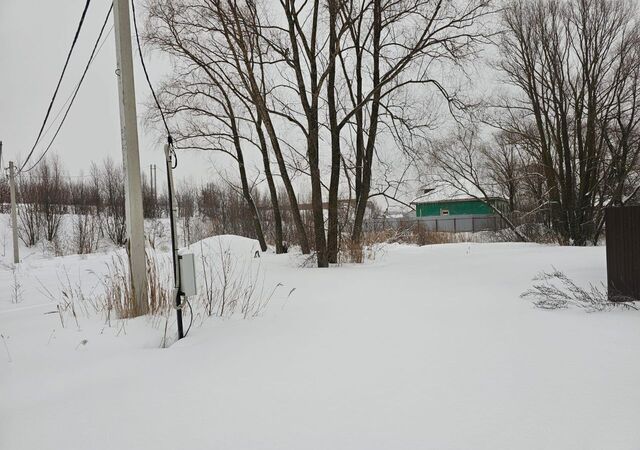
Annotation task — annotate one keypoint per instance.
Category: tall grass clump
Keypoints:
(118, 299)
(232, 284)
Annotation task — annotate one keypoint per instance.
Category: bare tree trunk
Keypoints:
(362, 197)
(336, 154)
(246, 191)
(573, 63)
(236, 35)
(303, 240)
(273, 191)
(311, 111)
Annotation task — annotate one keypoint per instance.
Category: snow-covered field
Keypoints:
(423, 348)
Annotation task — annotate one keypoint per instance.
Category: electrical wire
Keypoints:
(66, 102)
(55, 93)
(174, 159)
(146, 74)
(153, 92)
(174, 250)
(94, 52)
(190, 317)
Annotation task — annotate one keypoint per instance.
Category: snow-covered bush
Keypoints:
(555, 290)
(85, 235)
(231, 283)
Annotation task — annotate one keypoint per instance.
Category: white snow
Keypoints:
(424, 348)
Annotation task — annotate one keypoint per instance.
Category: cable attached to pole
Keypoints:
(172, 163)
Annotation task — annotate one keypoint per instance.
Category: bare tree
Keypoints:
(52, 195)
(112, 187)
(397, 48)
(505, 168)
(310, 73)
(186, 201)
(461, 164)
(30, 219)
(575, 67)
(217, 52)
(85, 221)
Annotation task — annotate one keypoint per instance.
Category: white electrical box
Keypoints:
(187, 264)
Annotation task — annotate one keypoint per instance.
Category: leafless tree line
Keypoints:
(94, 206)
(313, 91)
(94, 203)
(568, 126)
(342, 98)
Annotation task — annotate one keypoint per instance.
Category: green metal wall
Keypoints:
(470, 207)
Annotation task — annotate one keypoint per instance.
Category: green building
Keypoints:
(458, 213)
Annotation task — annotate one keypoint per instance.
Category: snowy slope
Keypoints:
(425, 348)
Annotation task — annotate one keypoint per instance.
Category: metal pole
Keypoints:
(155, 184)
(14, 212)
(151, 190)
(151, 187)
(153, 181)
(173, 209)
(155, 190)
(129, 131)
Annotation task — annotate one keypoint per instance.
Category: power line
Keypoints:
(55, 93)
(64, 105)
(96, 49)
(70, 177)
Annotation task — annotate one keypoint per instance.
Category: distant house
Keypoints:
(440, 210)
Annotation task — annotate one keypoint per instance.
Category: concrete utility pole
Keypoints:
(129, 129)
(14, 212)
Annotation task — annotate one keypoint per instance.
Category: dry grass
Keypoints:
(372, 242)
(232, 285)
(414, 233)
(366, 249)
(352, 252)
(118, 298)
(422, 236)
(71, 297)
(16, 286)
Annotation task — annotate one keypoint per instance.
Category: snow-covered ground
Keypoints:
(423, 348)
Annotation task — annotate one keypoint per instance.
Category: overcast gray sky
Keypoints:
(35, 36)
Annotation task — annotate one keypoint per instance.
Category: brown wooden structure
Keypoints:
(622, 226)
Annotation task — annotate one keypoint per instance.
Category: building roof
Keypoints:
(442, 194)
